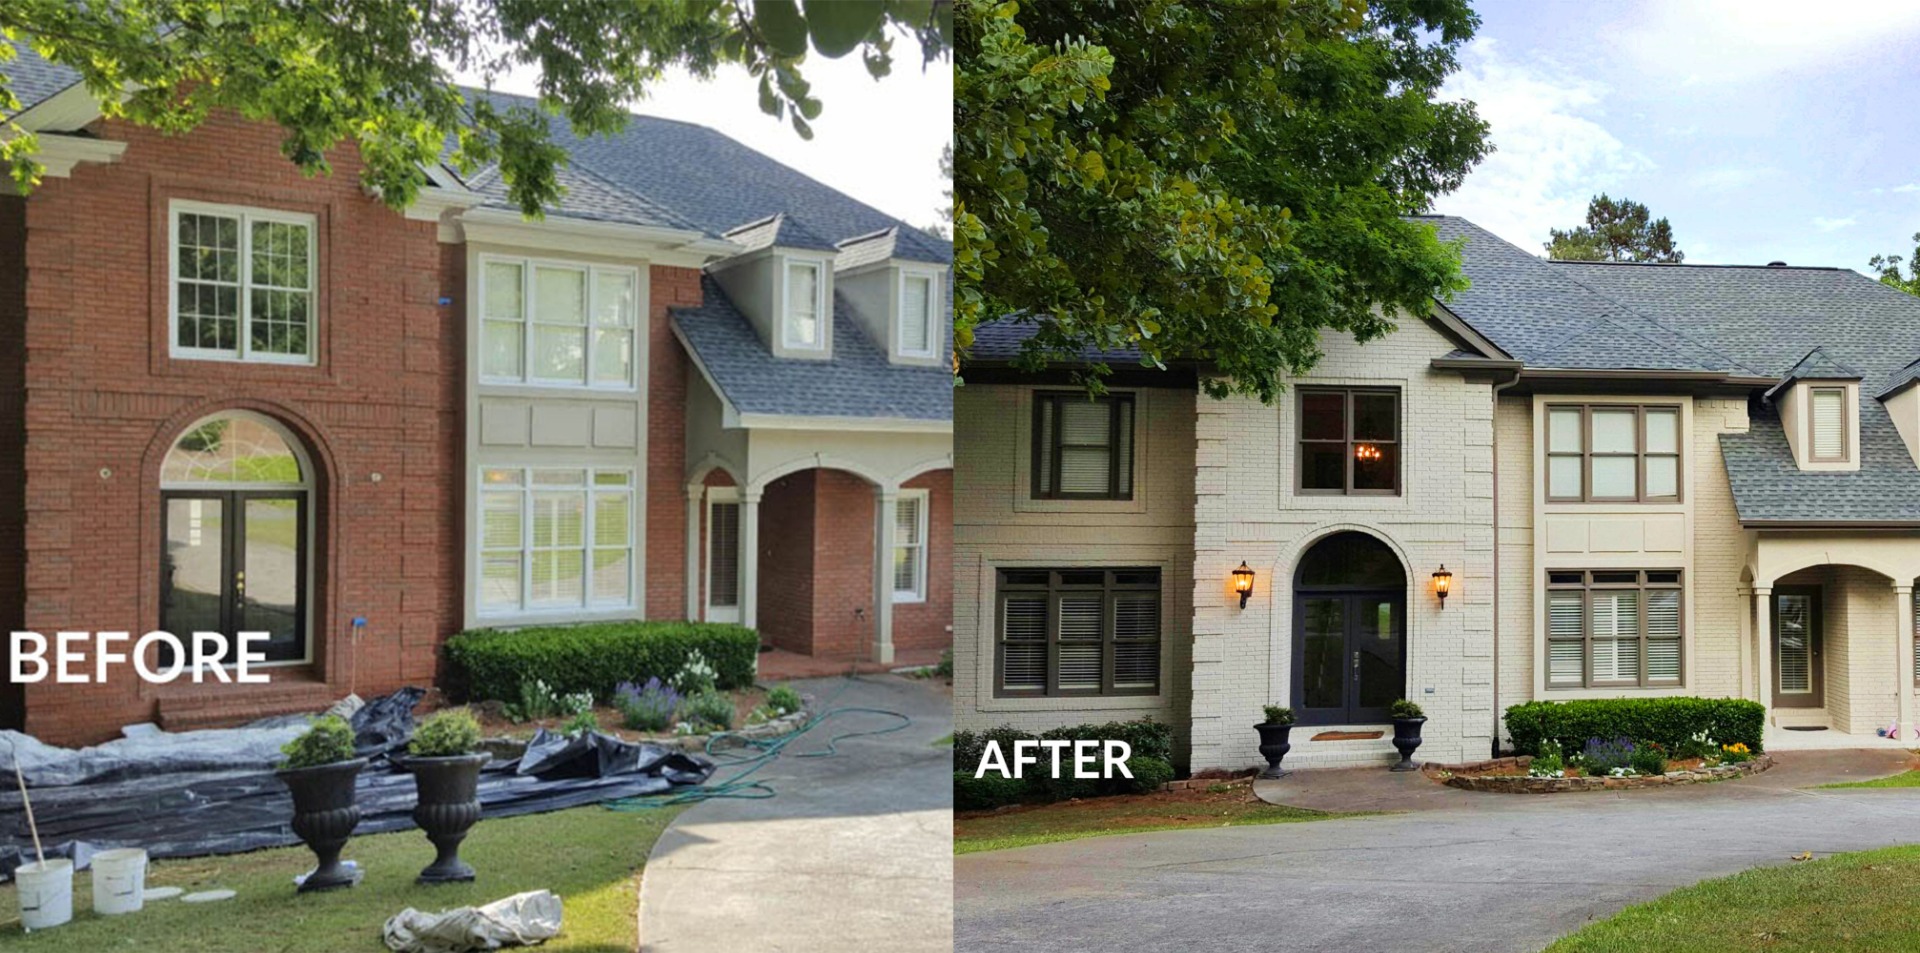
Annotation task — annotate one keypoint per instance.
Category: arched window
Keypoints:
(235, 496)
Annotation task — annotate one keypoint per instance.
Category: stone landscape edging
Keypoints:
(1450, 775)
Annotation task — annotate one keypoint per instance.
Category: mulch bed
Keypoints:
(1509, 776)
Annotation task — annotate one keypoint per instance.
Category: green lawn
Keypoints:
(589, 856)
(1129, 814)
(1910, 779)
(1868, 902)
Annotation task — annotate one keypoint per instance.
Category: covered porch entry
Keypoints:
(1831, 637)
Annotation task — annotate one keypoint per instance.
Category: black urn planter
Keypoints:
(324, 816)
(1273, 747)
(1406, 737)
(449, 806)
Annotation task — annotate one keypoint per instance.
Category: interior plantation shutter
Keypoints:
(1829, 423)
(725, 582)
(1136, 640)
(1616, 636)
(1023, 642)
(907, 549)
(1566, 655)
(1124, 450)
(1796, 660)
(1086, 431)
(1663, 635)
(1082, 640)
(1043, 453)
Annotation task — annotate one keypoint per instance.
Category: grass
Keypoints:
(588, 856)
(1866, 902)
(1910, 779)
(1127, 814)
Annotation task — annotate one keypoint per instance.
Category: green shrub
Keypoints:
(445, 733)
(1697, 746)
(1278, 714)
(1149, 774)
(581, 723)
(985, 793)
(536, 701)
(783, 700)
(945, 668)
(708, 710)
(1146, 738)
(595, 658)
(1647, 759)
(327, 740)
(1405, 709)
(1666, 721)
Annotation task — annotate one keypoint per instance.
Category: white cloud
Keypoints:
(1730, 178)
(1835, 224)
(1909, 187)
(1717, 41)
(1552, 153)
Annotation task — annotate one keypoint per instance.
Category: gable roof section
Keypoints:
(1769, 487)
(1816, 366)
(857, 382)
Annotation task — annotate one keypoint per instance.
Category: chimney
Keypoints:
(1776, 264)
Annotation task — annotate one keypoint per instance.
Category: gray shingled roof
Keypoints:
(1816, 366)
(866, 249)
(1001, 340)
(857, 382)
(1768, 486)
(589, 197)
(1899, 381)
(32, 78)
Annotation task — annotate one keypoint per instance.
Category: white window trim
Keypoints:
(822, 318)
(716, 495)
(528, 320)
(526, 490)
(243, 351)
(933, 308)
(919, 591)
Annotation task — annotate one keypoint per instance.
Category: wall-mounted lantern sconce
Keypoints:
(1442, 584)
(1243, 583)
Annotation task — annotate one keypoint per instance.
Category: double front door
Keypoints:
(1349, 657)
(236, 561)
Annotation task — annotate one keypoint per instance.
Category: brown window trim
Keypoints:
(1300, 441)
(1640, 453)
(1110, 587)
(1042, 400)
(1642, 584)
(1846, 445)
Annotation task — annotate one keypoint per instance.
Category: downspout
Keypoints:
(1495, 680)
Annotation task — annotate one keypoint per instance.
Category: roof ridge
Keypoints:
(1691, 264)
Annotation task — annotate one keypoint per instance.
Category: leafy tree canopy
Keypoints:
(1204, 181)
(1887, 267)
(379, 73)
(1616, 231)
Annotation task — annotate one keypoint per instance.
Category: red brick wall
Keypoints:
(13, 477)
(842, 565)
(786, 615)
(923, 625)
(668, 366)
(105, 401)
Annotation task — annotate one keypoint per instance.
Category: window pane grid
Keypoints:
(910, 548)
(557, 324)
(1613, 453)
(1079, 632)
(1349, 442)
(1083, 449)
(555, 538)
(243, 286)
(1614, 628)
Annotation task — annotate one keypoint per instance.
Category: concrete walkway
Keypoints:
(854, 854)
(1459, 872)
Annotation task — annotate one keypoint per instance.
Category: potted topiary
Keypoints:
(320, 771)
(1407, 719)
(1273, 738)
(446, 771)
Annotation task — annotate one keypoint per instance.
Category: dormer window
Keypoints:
(1828, 426)
(917, 334)
(805, 307)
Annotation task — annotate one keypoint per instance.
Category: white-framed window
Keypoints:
(555, 538)
(910, 546)
(241, 283)
(917, 309)
(557, 323)
(805, 309)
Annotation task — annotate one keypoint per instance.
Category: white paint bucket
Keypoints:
(119, 880)
(46, 893)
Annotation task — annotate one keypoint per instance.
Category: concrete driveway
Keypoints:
(1458, 872)
(854, 853)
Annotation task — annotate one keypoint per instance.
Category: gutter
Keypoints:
(1868, 525)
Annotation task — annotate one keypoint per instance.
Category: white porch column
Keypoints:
(750, 557)
(885, 514)
(1763, 649)
(1903, 632)
(696, 498)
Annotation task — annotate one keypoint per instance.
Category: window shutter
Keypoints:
(1125, 449)
(1663, 635)
(1566, 657)
(1082, 619)
(1136, 640)
(1023, 649)
(1829, 423)
(1085, 446)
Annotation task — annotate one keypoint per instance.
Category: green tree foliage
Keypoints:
(1887, 268)
(379, 73)
(1204, 181)
(1616, 231)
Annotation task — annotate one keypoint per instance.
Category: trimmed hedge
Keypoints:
(595, 657)
(1666, 721)
(1150, 741)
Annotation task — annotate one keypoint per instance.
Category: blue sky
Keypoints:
(1764, 131)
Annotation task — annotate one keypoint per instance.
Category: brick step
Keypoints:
(1347, 753)
(230, 705)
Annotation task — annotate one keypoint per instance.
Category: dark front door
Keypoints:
(1799, 679)
(1349, 657)
(236, 561)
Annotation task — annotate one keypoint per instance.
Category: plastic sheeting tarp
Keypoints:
(519, 920)
(190, 811)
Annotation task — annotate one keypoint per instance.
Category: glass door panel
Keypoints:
(1380, 648)
(267, 583)
(193, 570)
(1324, 653)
